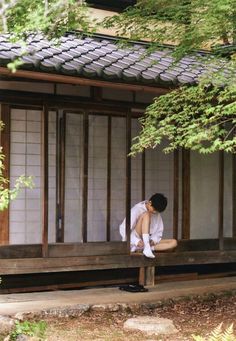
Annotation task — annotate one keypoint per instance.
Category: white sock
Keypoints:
(147, 248)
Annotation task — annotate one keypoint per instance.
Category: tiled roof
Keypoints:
(100, 57)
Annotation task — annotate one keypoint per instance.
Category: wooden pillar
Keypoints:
(234, 194)
(142, 278)
(150, 275)
(221, 201)
(128, 178)
(5, 144)
(85, 178)
(143, 175)
(147, 275)
(108, 218)
(45, 182)
(176, 195)
(61, 151)
(185, 194)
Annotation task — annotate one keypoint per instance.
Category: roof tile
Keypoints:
(100, 57)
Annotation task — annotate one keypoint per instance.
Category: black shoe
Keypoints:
(133, 288)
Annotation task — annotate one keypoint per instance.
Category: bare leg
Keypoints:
(143, 224)
(142, 228)
(165, 244)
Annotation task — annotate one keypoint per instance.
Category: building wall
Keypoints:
(26, 140)
(228, 195)
(77, 90)
(26, 158)
(159, 178)
(73, 177)
(52, 200)
(205, 196)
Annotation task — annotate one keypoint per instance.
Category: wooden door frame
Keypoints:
(5, 140)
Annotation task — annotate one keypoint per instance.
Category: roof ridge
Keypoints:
(102, 36)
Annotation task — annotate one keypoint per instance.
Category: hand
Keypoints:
(140, 243)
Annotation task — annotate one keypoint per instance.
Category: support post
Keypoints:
(234, 194)
(147, 275)
(45, 182)
(221, 202)
(85, 178)
(5, 144)
(186, 194)
(108, 218)
(176, 195)
(128, 178)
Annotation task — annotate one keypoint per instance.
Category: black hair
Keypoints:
(159, 202)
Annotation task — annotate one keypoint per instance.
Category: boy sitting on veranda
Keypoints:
(147, 227)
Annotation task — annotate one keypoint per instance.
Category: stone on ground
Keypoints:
(151, 325)
(6, 324)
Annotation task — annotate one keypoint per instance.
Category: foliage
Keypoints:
(199, 118)
(202, 117)
(218, 335)
(36, 329)
(7, 194)
(188, 24)
(51, 17)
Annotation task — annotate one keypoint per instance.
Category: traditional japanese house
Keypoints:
(70, 113)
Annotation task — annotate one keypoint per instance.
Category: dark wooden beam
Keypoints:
(87, 249)
(65, 249)
(45, 181)
(185, 194)
(61, 178)
(58, 155)
(20, 251)
(108, 218)
(48, 265)
(143, 175)
(85, 177)
(221, 201)
(105, 248)
(234, 194)
(128, 178)
(37, 100)
(176, 195)
(96, 93)
(5, 144)
(53, 78)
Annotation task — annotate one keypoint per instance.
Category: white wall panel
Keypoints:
(228, 195)
(73, 177)
(97, 178)
(118, 174)
(136, 168)
(25, 210)
(159, 179)
(204, 189)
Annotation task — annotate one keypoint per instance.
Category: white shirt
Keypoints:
(156, 225)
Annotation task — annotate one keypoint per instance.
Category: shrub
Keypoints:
(218, 334)
(36, 329)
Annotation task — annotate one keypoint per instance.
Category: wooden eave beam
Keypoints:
(22, 98)
(54, 78)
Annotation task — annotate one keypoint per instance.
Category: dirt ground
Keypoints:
(197, 315)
